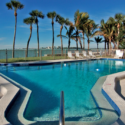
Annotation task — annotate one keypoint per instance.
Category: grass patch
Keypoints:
(44, 58)
(11, 60)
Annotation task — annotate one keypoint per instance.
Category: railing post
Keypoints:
(61, 113)
(65, 53)
(40, 54)
(6, 56)
(25, 54)
(54, 54)
(35, 52)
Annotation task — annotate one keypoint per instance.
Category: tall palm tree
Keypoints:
(83, 20)
(90, 30)
(37, 14)
(110, 27)
(98, 40)
(121, 39)
(106, 32)
(62, 21)
(13, 4)
(77, 17)
(52, 15)
(119, 18)
(29, 21)
(69, 34)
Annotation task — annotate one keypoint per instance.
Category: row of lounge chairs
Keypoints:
(83, 55)
(119, 54)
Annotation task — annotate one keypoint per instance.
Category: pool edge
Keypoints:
(71, 61)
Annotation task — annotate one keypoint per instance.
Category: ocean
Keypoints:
(20, 53)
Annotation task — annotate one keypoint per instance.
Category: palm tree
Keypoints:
(62, 21)
(98, 40)
(69, 34)
(106, 30)
(119, 18)
(121, 39)
(29, 21)
(90, 30)
(83, 20)
(14, 5)
(36, 14)
(77, 17)
(52, 15)
(110, 27)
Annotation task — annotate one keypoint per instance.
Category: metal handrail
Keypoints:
(61, 113)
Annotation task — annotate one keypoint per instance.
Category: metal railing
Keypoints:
(61, 112)
(46, 53)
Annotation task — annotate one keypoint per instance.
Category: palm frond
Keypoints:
(65, 27)
(62, 36)
(17, 4)
(21, 6)
(40, 14)
(51, 14)
(29, 20)
(36, 14)
(9, 6)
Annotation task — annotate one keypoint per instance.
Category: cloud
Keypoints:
(2, 38)
(24, 26)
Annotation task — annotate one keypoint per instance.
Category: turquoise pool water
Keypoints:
(75, 79)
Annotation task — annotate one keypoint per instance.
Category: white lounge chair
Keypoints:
(70, 55)
(118, 63)
(85, 55)
(91, 55)
(77, 54)
(119, 54)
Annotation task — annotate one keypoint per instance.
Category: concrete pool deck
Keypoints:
(112, 93)
(9, 93)
(109, 115)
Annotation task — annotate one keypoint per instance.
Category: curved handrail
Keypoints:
(61, 113)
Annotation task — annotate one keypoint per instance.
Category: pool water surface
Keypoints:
(76, 79)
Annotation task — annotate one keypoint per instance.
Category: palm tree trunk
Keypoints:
(76, 45)
(83, 41)
(29, 41)
(80, 43)
(105, 44)
(14, 34)
(69, 44)
(61, 39)
(118, 34)
(97, 47)
(53, 37)
(109, 46)
(114, 45)
(76, 39)
(88, 44)
(38, 38)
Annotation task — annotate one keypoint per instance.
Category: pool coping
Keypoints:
(10, 93)
(117, 102)
(29, 92)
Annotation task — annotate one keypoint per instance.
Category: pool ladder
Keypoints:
(61, 112)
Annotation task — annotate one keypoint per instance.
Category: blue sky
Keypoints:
(97, 10)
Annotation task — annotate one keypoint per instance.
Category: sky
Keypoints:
(97, 10)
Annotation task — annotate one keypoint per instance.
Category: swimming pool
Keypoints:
(75, 79)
